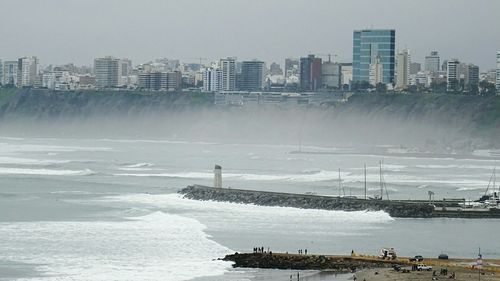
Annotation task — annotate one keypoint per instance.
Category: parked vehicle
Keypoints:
(443, 257)
(417, 258)
(422, 266)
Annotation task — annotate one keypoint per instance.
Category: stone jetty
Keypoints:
(306, 262)
(400, 209)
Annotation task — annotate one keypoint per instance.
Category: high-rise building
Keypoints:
(367, 46)
(376, 72)
(330, 74)
(432, 62)
(27, 71)
(291, 67)
(310, 73)
(160, 81)
(346, 70)
(1, 72)
(498, 71)
(452, 75)
(471, 79)
(107, 72)
(228, 67)
(252, 75)
(275, 69)
(10, 73)
(212, 80)
(403, 70)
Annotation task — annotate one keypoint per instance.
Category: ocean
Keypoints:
(108, 209)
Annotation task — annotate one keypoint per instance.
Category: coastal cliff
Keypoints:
(463, 122)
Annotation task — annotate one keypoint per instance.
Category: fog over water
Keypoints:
(95, 197)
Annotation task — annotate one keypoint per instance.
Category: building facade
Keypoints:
(228, 67)
(310, 73)
(498, 72)
(432, 62)
(107, 72)
(452, 75)
(160, 81)
(27, 71)
(10, 73)
(212, 80)
(471, 79)
(403, 70)
(291, 67)
(330, 75)
(252, 75)
(372, 46)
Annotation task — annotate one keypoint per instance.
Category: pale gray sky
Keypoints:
(60, 31)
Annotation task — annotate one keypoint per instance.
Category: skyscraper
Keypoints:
(403, 70)
(27, 71)
(498, 71)
(252, 75)
(374, 46)
(452, 75)
(107, 72)
(228, 67)
(432, 62)
(310, 73)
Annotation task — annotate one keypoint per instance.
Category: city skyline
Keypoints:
(59, 32)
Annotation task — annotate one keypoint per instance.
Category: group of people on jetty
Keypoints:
(261, 250)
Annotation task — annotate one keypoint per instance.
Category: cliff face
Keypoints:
(471, 114)
(470, 117)
(40, 103)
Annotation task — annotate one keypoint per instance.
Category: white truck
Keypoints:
(422, 266)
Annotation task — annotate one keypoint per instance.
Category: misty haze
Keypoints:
(249, 140)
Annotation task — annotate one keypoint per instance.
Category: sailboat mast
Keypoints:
(365, 181)
(381, 185)
(340, 188)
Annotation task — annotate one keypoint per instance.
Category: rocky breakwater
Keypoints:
(304, 262)
(264, 198)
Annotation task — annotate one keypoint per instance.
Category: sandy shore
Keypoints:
(386, 274)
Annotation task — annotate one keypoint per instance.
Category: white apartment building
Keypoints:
(228, 67)
(212, 80)
(403, 70)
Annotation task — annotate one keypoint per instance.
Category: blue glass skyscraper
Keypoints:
(373, 45)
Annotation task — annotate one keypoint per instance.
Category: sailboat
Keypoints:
(382, 186)
(491, 199)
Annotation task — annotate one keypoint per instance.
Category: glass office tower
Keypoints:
(371, 46)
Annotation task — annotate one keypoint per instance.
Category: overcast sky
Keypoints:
(61, 31)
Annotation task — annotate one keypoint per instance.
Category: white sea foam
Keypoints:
(156, 246)
(225, 209)
(8, 148)
(45, 172)
(27, 161)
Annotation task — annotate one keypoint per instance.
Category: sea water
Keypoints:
(106, 209)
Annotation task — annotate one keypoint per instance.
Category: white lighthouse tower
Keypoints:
(218, 176)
